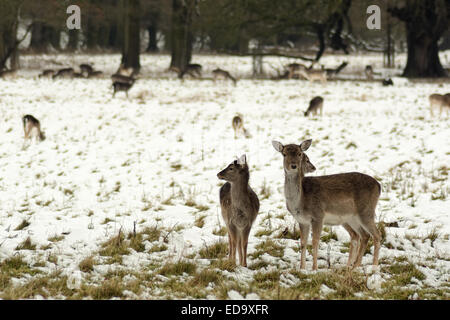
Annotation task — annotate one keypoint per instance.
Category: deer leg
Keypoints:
(245, 244)
(364, 239)
(354, 238)
(376, 236)
(316, 230)
(304, 234)
(232, 243)
(240, 244)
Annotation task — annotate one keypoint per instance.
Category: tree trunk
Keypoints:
(426, 22)
(423, 55)
(152, 43)
(40, 37)
(181, 35)
(74, 35)
(131, 38)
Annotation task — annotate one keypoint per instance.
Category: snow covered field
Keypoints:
(118, 169)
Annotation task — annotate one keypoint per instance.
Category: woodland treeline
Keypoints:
(303, 29)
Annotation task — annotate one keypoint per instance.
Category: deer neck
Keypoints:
(239, 192)
(293, 191)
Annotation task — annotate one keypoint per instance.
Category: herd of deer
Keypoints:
(347, 199)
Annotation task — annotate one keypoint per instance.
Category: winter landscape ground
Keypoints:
(122, 199)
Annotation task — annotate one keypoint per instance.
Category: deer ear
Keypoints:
(305, 144)
(277, 145)
(242, 160)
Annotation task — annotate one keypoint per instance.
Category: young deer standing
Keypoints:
(440, 102)
(315, 105)
(240, 206)
(238, 126)
(347, 199)
(32, 129)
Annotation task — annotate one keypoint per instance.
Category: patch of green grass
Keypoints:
(263, 232)
(56, 238)
(112, 288)
(223, 264)
(177, 268)
(266, 280)
(402, 273)
(215, 251)
(136, 242)
(152, 234)
(22, 225)
(200, 221)
(329, 235)
(204, 277)
(287, 233)
(114, 248)
(173, 288)
(26, 245)
(270, 247)
(157, 248)
(16, 266)
(87, 264)
(220, 232)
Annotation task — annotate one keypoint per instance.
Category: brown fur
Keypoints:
(439, 101)
(294, 70)
(47, 73)
(315, 105)
(314, 74)
(32, 129)
(220, 73)
(240, 206)
(347, 199)
(64, 73)
(369, 72)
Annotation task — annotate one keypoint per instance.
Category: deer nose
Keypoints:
(293, 166)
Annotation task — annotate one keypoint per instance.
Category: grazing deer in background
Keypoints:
(314, 74)
(369, 72)
(439, 101)
(315, 105)
(194, 70)
(240, 206)
(387, 82)
(64, 73)
(347, 199)
(238, 126)
(8, 74)
(122, 83)
(223, 74)
(333, 72)
(47, 73)
(95, 74)
(86, 70)
(32, 129)
(294, 69)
